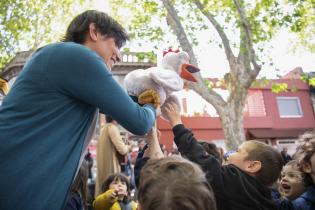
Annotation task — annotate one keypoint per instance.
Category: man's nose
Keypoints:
(118, 56)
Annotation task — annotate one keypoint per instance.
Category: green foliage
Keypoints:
(146, 56)
(142, 18)
(279, 87)
(25, 25)
(146, 19)
(209, 84)
(262, 82)
(304, 77)
(307, 79)
(301, 20)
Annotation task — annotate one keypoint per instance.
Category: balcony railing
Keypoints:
(139, 57)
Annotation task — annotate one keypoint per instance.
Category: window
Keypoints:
(289, 107)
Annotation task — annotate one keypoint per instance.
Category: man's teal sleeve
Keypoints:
(87, 78)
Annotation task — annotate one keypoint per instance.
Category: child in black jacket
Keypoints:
(243, 183)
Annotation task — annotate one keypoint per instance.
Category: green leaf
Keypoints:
(311, 82)
(279, 87)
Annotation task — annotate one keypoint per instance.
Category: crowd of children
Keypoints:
(252, 177)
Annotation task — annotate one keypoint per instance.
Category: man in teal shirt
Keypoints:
(48, 118)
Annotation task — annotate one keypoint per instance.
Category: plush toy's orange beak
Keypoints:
(187, 72)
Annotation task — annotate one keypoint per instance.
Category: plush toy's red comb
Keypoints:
(170, 50)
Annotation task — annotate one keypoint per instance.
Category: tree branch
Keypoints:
(249, 44)
(174, 22)
(229, 54)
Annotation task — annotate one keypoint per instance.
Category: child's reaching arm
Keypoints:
(154, 150)
(188, 145)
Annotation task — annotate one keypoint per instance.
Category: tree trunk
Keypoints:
(232, 124)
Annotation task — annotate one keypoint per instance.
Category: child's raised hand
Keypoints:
(113, 196)
(172, 112)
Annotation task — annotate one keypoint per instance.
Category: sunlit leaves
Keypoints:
(25, 25)
(279, 87)
(209, 84)
(301, 20)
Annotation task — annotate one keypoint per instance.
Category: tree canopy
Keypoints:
(25, 25)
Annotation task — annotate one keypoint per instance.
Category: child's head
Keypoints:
(120, 183)
(306, 153)
(259, 160)
(174, 183)
(211, 149)
(292, 182)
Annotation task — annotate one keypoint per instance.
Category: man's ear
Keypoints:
(254, 166)
(307, 168)
(93, 32)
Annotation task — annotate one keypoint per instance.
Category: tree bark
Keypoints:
(232, 123)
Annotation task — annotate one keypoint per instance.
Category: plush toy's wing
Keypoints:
(135, 81)
(168, 79)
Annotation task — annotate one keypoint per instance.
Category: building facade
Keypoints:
(275, 118)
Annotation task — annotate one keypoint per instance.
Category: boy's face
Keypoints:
(291, 183)
(238, 157)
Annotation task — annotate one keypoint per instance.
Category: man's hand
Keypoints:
(150, 96)
(172, 113)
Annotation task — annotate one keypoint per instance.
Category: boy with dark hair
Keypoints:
(174, 183)
(243, 183)
(49, 115)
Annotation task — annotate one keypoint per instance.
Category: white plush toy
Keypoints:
(164, 80)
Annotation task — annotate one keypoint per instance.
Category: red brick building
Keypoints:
(276, 118)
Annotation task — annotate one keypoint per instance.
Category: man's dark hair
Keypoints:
(174, 183)
(271, 161)
(79, 27)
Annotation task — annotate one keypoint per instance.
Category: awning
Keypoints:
(267, 133)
